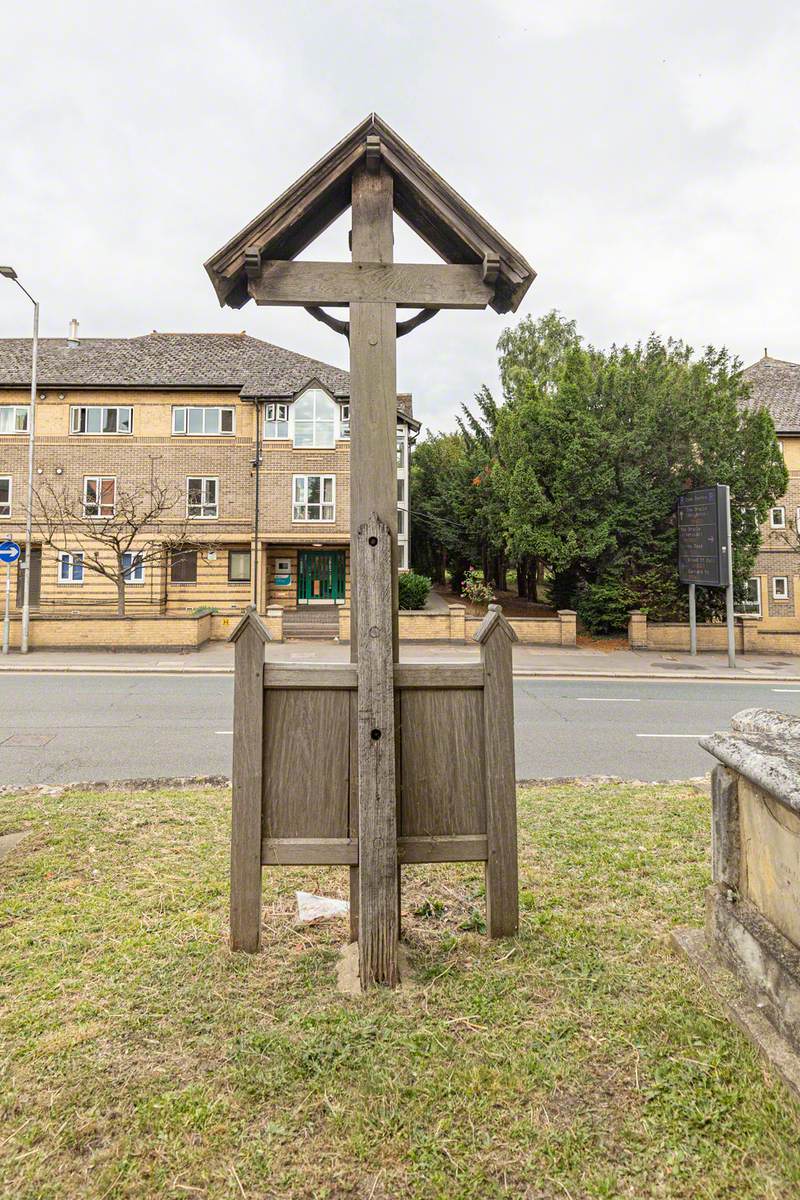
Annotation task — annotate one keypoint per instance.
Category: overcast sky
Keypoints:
(642, 156)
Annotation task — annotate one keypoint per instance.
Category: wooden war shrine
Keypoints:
(374, 764)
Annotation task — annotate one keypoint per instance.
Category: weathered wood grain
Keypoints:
(304, 676)
(469, 848)
(281, 676)
(248, 750)
(302, 852)
(337, 284)
(353, 812)
(309, 852)
(378, 929)
(373, 391)
(502, 889)
(443, 768)
(306, 763)
(438, 675)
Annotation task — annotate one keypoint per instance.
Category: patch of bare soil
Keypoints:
(512, 604)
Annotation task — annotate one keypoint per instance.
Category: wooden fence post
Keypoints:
(378, 909)
(495, 637)
(249, 637)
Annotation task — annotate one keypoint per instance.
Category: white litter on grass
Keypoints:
(311, 909)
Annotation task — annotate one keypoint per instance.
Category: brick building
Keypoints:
(220, 419)
(774, 590)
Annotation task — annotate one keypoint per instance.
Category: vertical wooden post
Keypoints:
(248, 766)
(373, 432)
(502, 889)
(378, 916)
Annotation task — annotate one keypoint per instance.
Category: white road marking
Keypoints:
(611, 699)
(672, 735)
(786, 689)
(224, 732)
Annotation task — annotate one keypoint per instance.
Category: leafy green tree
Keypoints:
(594, 450)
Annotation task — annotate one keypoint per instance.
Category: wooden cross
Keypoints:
(377, 173)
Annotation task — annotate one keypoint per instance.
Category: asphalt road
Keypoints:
(68, 728)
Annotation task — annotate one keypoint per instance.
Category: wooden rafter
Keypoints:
(424, 200)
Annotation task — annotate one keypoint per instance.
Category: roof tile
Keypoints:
(775, 385)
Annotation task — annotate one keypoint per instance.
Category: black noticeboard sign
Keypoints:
(704, 536)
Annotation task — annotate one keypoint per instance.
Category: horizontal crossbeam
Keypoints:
(344, 677)
(337, 284)
(333, 852)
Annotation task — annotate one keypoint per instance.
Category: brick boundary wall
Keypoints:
(750, 636)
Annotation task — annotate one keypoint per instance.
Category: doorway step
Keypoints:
(319, 621)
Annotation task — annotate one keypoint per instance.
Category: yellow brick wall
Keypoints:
(63, 460)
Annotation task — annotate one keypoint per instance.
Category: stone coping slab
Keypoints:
(763, 747)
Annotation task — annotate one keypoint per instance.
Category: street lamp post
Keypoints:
(10, 273)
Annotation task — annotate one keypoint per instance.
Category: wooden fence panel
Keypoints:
(443, 770)
(306, 763)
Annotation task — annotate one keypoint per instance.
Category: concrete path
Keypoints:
(529, 661)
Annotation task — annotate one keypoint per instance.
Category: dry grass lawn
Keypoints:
(141, 1059)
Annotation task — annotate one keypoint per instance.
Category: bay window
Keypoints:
(276, 421)
(314, 419)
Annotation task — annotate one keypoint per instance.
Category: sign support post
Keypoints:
(692, 619)
(9, 553)
(6, 615)
(728, 549)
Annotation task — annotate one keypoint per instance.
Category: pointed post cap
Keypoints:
(494, 620)
(250, 620)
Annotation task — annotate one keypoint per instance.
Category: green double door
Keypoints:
(320, 576)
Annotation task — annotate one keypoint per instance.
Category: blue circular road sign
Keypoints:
(9, 552)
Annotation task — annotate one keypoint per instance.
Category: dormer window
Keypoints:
(314, 419)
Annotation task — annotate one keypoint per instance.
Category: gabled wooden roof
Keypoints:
(422, 198)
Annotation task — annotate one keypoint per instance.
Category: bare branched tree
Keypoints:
(104, 527)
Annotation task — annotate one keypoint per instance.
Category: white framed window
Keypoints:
(777, 518)
(200, 421)
(750, 601)
(344, 420)
(70, 567)
(99, 419)
(201, 497)
(780, 447)
(5, 495)
(402, 556)
(314, 498)
(797, 519)
(14, 418)
(276, 421)
(239, 566)
(780, 587)
(133, 566)
(314, 420)
(99, 496)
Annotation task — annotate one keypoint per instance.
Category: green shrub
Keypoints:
(413, 590)
(604, 607)
(203, 609)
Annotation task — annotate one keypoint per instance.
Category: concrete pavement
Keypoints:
(529, 661)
